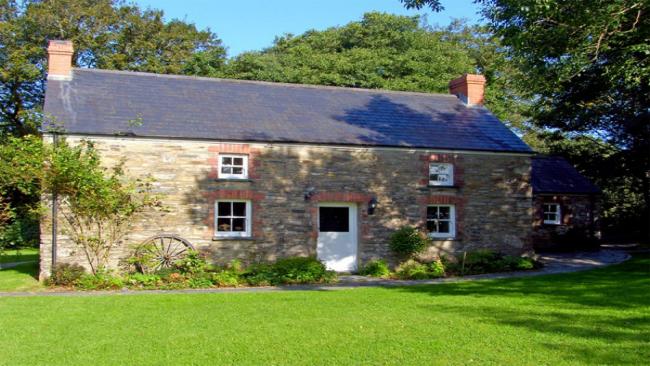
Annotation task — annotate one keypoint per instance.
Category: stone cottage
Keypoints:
(258, 170)
(566, 206)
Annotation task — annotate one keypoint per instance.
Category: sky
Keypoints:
(253, 24)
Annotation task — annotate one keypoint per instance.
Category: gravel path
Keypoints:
(553, 263)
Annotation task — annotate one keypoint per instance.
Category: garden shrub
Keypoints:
(193, 262)
(412, 270)
(226, 278)
(101, 280)
(260, 274)
(296, 270)
(437, 268)
(202, 280)
(66, 274)
(375, 268)
(488, 261)
(408, 241)
(143, 280)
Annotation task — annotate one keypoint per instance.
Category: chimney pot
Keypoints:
(59, 60)
(470, 88)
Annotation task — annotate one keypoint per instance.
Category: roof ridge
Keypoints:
(262, 82)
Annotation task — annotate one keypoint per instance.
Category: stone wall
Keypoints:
(579, 223)
(492, 196)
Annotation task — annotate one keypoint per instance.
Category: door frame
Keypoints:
(353, 218)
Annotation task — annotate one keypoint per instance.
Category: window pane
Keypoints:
(239, 208)
(223, 224)
(226, 170)
(444, 212)
(334, 219)
(238, 161)
(432, 213)
(224, 209)
(237, 170)
(443, 227)
(431, 226)
(227, 161)
(238, 224)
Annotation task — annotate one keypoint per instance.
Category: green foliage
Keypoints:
(66, 274)
(408, 241)
(412, 270)
(100, 280)
(141, 280)
(226, 278)
(437, 268)
(295, 270)
(106, 34)
(488, 261)
(586, 65)
(375, 268)
(193, 263)
(98, 205)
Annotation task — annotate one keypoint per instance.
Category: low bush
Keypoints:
(297, 270)
(66, 274)
(193, 262)
(375, 268)
(226, 278)
(101, 280)
(408, 241)
(437, 268)
(488, 261)
(143, 280)
(412, 270)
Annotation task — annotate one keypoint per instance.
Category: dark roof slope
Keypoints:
(555, 175)
(102, 102)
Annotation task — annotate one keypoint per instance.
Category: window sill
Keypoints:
(232, 238)
(233, 180)
(441, 238)
(448, 187)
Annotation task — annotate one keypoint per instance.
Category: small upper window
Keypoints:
(233, 166)
(232, 219)
(441, 221)
(552, 214)
(441, 174)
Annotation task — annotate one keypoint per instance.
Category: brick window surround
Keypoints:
(442, 158)
(241, 149)
(361, 199)
(234, 194)
(459, 207)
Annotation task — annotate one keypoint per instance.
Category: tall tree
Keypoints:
(106, 34)
(586, 65)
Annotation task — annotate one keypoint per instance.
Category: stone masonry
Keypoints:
(492, 195)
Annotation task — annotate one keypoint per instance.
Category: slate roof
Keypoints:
(552, 174)
(102, 102)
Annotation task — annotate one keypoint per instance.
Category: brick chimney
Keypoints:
(470, 88)
(59, 60)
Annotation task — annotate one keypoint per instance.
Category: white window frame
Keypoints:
(233, 234)
(449, 183)
(244, 174)
(452, 222)
(557, 213)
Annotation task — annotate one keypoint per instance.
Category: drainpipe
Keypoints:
(55, 140)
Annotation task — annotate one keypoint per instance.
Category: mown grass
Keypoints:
(19, 255)
(595, 317)
(20, 278)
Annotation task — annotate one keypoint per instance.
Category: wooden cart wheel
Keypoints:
(164, 250)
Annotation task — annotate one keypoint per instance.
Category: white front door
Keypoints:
(337, 236)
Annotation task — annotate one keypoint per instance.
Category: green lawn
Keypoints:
(20, 278)
(19, 255)
(595, 317)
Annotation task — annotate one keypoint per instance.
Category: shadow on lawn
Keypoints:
(589, 305)
(30, 269)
